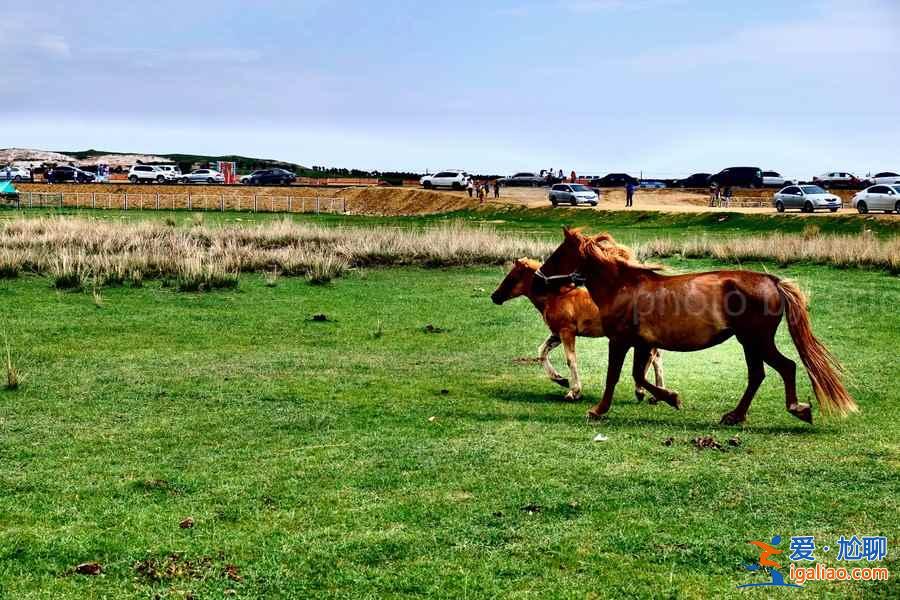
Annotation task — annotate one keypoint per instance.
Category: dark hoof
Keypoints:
(640, 396)
(802, 412)
(732, 418)
(562, 382)
(593, 415)
(673, 400)
(573, 397)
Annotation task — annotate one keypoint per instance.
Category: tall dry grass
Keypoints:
(78, 253)
(83, 253)
(862, 250)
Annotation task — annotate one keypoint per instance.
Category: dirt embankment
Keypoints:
(388, 201)
(370, 201)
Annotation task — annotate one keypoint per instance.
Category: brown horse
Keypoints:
(569, 313)
(644, 309)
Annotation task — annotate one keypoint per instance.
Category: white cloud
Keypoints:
(838, 39)
(595, 6)
(55, 45)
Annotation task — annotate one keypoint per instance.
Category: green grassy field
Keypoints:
(370, 455)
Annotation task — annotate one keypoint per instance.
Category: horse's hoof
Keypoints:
(732, 418)
(802, 412)
(562, 382)
(639, 396)
(673, 400)
(593, 415)
(573, 396)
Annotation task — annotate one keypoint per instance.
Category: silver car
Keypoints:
(572, 193)
(878, 197)
(203, 176)
(805, 197)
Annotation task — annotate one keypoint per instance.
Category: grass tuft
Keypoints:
(13, 377)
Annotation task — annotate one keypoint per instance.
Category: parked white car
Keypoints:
(172, 172)
(878, 197)
(13, 173)
(146, 174)
(203, 176)
(454, 178)
(775, 179)
(805, 197)
(888, 177)
(837, 179)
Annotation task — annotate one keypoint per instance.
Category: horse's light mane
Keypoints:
(529, 263)
(604, 249)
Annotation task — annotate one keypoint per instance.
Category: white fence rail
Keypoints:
(193, 202)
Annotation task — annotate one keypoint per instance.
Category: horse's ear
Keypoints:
(572, 233)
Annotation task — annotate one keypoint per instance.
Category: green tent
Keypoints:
(7, 187)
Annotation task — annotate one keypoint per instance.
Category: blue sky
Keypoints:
(665, 86)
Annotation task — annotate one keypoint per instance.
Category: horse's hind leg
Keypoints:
(756, 373)
(788, 371)
(549, 344)
(642, 356)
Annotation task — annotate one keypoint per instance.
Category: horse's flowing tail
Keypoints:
(823, 368)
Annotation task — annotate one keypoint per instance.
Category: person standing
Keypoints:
(470, 187)
(496, 188)
(629, 194)
(728, 195)
(714, 194)
(574, 177)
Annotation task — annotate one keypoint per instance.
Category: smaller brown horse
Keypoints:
(569, 313)
(643, 309)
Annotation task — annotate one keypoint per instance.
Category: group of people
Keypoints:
(483, 189)
(719, 196)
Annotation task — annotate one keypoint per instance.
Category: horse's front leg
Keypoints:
(653, 359)
(642, 356)
(568, 340)
(617, 352)
(549, 344)
(656, 361)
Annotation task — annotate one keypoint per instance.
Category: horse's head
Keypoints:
(561, 267)
(517, 282)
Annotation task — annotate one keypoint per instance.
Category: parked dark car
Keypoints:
(524, 179)
(271, 177)
(738, 177)
(613, 180)
(697, 180)
(73, 174)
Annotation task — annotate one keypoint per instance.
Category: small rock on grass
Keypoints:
(320, 318)
(89, 568)
(707, 442)
(600, 438)
(531, 508)
(668, 441)
(186, 523)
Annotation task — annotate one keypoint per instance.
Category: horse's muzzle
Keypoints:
(496, 298)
